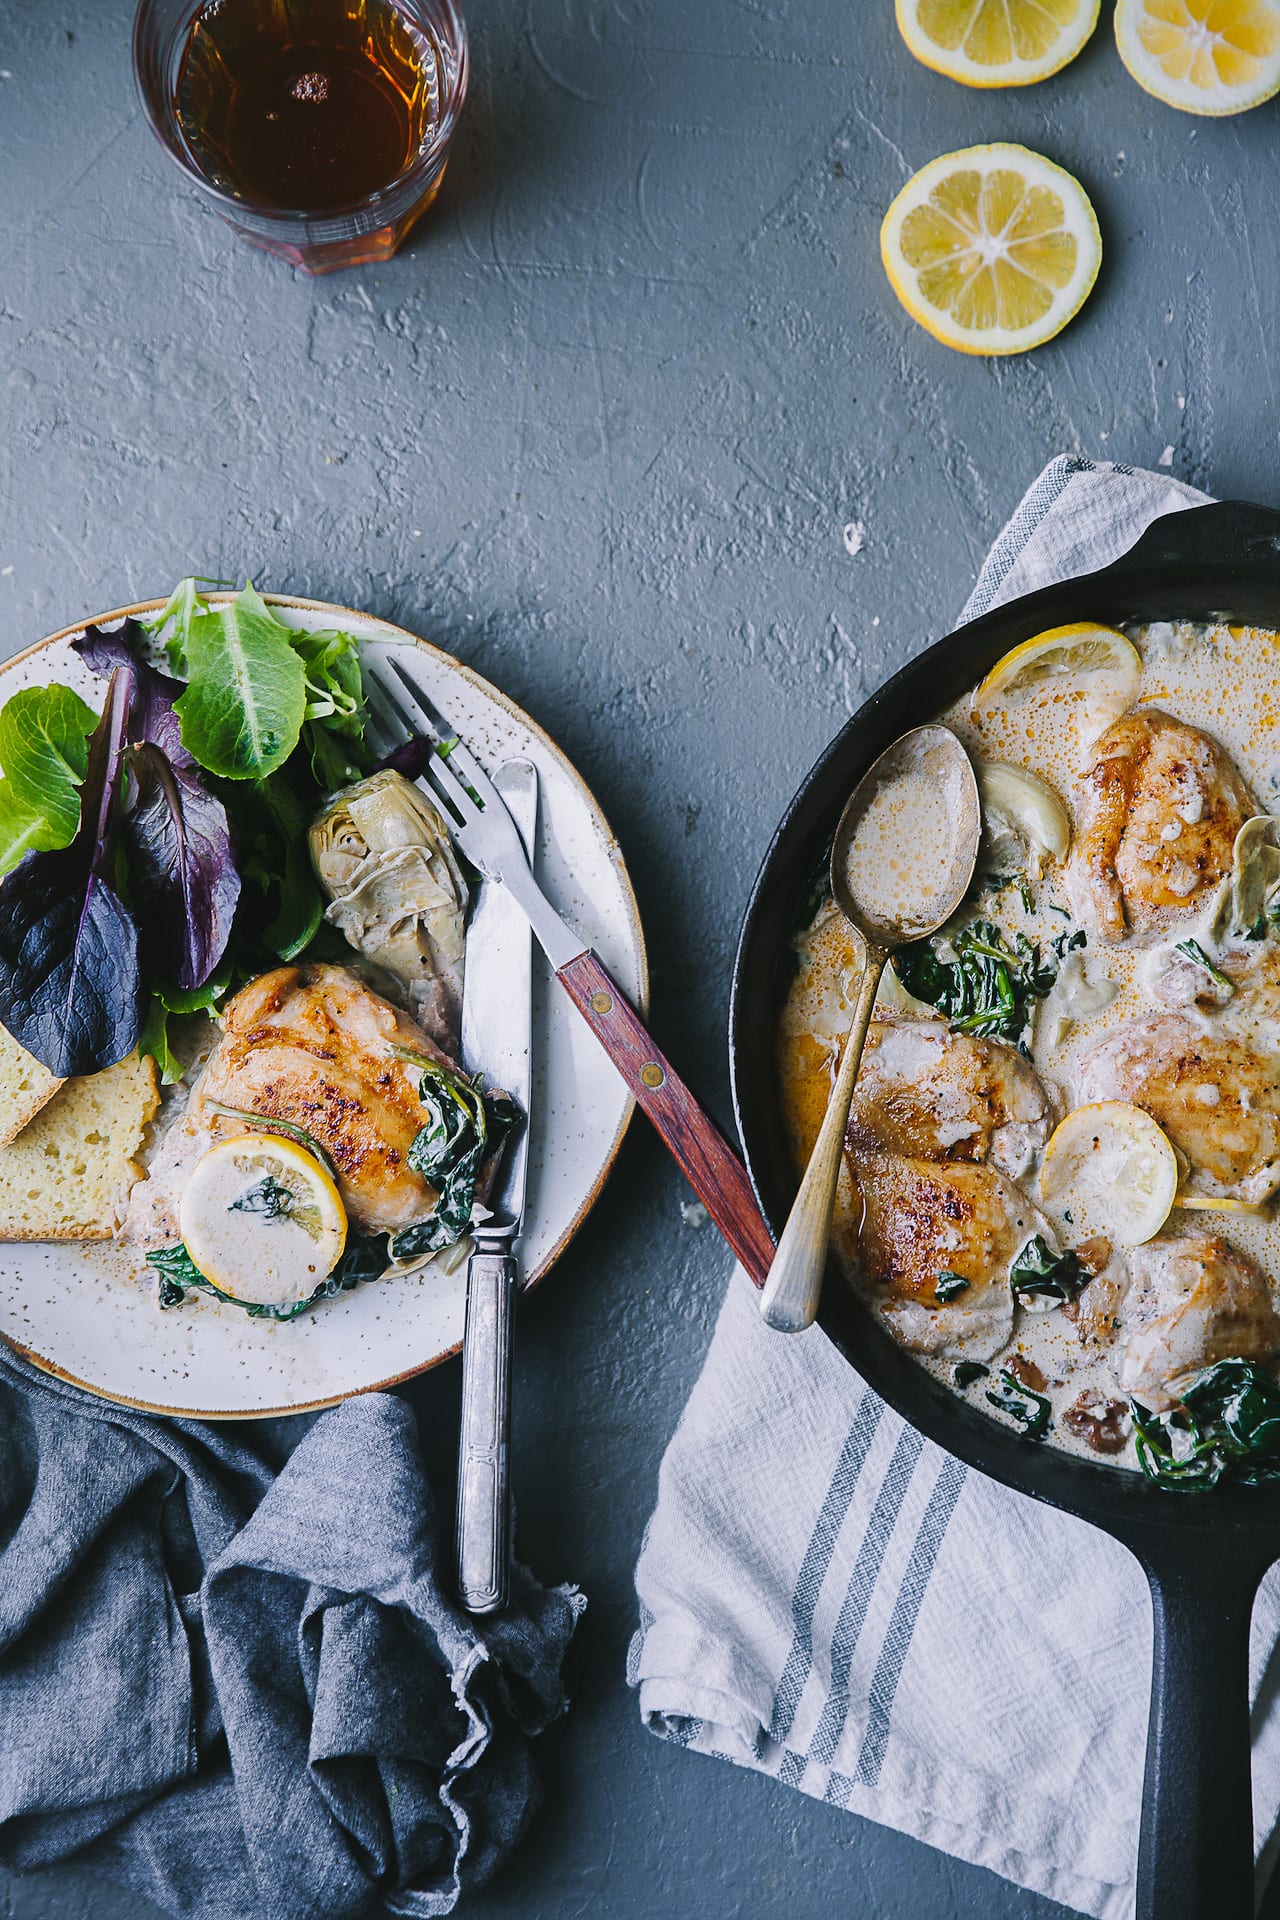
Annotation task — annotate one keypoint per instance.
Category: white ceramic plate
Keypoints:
(88, 1312)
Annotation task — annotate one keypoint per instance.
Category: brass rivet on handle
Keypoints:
(601, 1003)
(652, 1074)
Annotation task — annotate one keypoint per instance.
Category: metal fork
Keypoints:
(400, 708)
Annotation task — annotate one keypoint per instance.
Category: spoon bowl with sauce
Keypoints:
(901, 862)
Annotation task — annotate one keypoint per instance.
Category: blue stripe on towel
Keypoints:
(897, 1641)
(866, 1569)
(817, 1559)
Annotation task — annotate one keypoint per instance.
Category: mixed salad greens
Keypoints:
(155, 856)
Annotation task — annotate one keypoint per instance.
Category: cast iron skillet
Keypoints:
(1204, 1554)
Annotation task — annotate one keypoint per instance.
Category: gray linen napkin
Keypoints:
(247, 1694)
(828, 1598)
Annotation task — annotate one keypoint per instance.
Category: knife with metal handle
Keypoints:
(497, 1026)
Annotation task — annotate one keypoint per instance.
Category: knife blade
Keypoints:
(497, 1041)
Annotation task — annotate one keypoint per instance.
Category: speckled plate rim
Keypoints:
(141, 609)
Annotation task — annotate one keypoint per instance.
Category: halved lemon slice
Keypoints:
(991, 249)
(1202, 56)
(1222, 1203)
(1113, 1170)
(996, 43)
(1105, 667)
(263, 1220)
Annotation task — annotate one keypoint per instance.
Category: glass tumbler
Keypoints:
(317, 240)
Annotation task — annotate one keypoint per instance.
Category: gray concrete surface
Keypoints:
(599, 430)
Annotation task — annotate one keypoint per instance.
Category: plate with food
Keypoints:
(240, 1150)
(1056, 1249)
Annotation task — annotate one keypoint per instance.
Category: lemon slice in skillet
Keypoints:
(992, 249)
(1223, 1203)
(1202, 56)
(1065, 653)
(996, 43)
(1113, 1170)
(263, 1220)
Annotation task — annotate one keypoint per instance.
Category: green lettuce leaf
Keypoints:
(44, 750)
(246, 694)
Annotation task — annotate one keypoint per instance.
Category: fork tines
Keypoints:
(398, 700)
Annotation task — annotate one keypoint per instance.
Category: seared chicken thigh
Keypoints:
(1193, 1300)
(1218, 1102)
(1161, 807)
(315, 1046)
(922, 1219)
(925, 1091)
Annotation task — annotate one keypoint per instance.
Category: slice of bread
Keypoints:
(25, 1086)
(67, 1175)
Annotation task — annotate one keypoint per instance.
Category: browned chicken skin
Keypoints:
(1218, 1102)
(313, 1045)
(946, 1096)
(922, 1218)
(1161, 807)
(1193, 1299)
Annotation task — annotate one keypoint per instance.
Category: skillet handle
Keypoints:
(1226, 535)
(1195, 1849)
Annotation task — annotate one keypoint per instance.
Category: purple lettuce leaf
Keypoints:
(70, 983)
(182, 874)
(152, 716)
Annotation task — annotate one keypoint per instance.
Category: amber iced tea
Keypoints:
(319, 129)
(307, 105)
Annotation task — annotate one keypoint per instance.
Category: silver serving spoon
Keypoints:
(901, 863)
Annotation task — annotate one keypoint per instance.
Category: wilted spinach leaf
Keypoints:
(464, 1128)
(363, 1258)
(268, 1196)
(977, 980)
(1037, 1271)
(70, 986)
(1030, 1410)
(1226, 1427)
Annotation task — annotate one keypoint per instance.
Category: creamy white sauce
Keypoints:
(1223, 679)
(900, 860)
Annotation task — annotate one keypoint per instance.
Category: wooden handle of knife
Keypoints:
(710, 1164)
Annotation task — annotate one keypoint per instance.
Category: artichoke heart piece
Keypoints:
(382, 853)
(1248, 900)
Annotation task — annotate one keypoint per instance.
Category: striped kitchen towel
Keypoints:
(830, 1599)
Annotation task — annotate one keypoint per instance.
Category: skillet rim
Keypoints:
(1219, 561)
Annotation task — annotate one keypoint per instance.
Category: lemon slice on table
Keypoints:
(991, 249)
(996, 43)
(1202, 56)
(1071, 652)
(262, 1220)
(1113, 1170)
